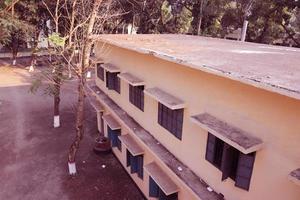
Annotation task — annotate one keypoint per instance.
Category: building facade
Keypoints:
(184, 132)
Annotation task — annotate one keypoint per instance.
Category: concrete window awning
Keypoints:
(111, 68)
(131, 145)
(165, 98)
(95, 103)
(241, 140)
(164, 182)
(131, 79)
(295, 176)
(111, 122)
(96, 60)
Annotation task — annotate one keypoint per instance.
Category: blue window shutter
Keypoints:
(109, 133)
(127, 158)
(119, 143)
(244, 170)
(113, 136)
(114, 140)
(153, 188)
(140, 163)
(133, 164)
(210, 148)
(227, 161)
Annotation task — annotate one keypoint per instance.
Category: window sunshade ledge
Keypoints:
(241, 140)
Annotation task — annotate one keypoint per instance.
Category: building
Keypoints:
(200, 118)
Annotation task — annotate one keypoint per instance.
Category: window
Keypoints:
(100, 71)
(156, 192)
(136, 164)
(136, 96)
(113, 81)
(113, 137)
(171, 119)
(230, 161)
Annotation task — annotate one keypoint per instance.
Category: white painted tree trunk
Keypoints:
(89, 74)
(70, 74)
(31, 68)
(244, 31)
(14, 62)
(56, 121)
(72, 168)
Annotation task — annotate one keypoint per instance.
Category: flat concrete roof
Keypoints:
(273, 68)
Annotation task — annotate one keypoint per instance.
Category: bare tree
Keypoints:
(247, 13)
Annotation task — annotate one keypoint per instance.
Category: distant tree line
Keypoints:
(270, 21)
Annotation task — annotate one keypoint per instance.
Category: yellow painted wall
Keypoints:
(272, 117)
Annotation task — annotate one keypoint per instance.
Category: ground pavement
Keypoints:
(33, 164)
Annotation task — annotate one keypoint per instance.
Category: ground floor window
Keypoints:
(233, 163)
(136, 164)
(156, 192)
(113, 137)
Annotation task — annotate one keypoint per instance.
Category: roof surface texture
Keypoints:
(272, 68)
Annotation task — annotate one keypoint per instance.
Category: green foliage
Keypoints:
(57, 40)
(166, 12)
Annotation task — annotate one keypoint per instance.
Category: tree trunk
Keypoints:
(15, 47)
(244, 30)
(81, 95)
(57, 83)
(34, 52)
(200, 18)
(79, 121)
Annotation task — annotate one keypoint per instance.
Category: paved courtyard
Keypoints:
(33, 164)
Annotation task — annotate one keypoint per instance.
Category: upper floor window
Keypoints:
(233, 163)
(136, 96)
(100, 71)
(113, 81)
(171, 120)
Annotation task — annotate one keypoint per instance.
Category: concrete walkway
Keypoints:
(33, 164)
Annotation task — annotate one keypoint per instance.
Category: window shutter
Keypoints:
(109, 133)
(179, 123)
(119, 143)
(210, 148)
(130, 94)
(227, 161)
(142, 99)
(117, 83)
(107, 79)
(127, 158)
(153, 188)
(133, 164)
(159, 114)
(244, 170)
(100, 71)
(114, 138)
(140, 163)
(163, 196)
